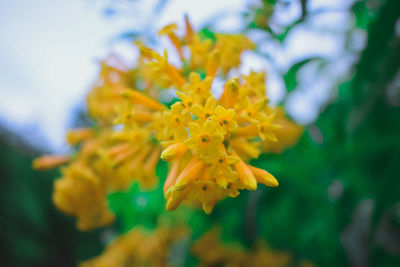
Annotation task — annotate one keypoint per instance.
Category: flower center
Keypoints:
(205, 139)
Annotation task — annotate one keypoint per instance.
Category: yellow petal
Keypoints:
(219, 111)
(191, 142)
(210, 105)
(198, 111)
(181, 96)
(232, 159)
(194, 129)
(221, 181)
(208, 206)
(210, 126)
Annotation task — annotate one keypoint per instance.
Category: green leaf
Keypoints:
(290, 77)
(207, 34)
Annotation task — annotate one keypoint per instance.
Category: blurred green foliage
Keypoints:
(32, 231)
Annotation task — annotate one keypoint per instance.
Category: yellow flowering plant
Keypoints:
(207, 134)
(207, 140)
(183, 140)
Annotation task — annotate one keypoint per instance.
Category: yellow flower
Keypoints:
(160, 65)
(76, 136)
(204, 138)
(177, 120)
(231, 47)
(264, 127)
(174, 151)
(199, 51)
(188, 100)
(101, 102)
(212, 252)
(204, 113)
(287, 134)
(197, 86)
(140, 247)
(226, 118)
(249, 111)
(48, 162)
(195, 186)
(169, 30)
(213, 63)
(79, 192)
(221, 168)
(255, 84)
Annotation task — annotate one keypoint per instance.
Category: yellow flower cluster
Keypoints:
(208, 140)
(106, 161)
(211, 252)
(142, 247)
(139, 247)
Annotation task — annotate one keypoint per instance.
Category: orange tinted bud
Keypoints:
(213, 63)
(141, 99)
(264, 177)
(76, 136)
(49, 162)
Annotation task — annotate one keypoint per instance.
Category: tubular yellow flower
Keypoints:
(176, 122)
(189, 173)
(204, 139)
(246, 175)
(171, 178)
(50, 161)
(199, 52)
(264, 177)
(247, 150)
(221, 169)
(255, 84)
(173, 151)
(226, 118)
(196, 85)
(169, 31)
(188, 100)
(78, 135)
(288, 133)
(231, 47)
(204, 113)
(189, 30)
(139, 98)
(230, 95)
(249, 110)
(213, 63)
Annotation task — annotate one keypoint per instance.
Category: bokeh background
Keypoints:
(333, 64)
